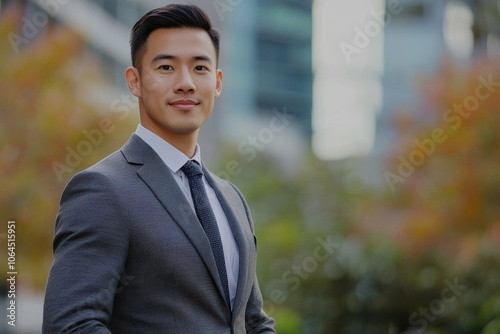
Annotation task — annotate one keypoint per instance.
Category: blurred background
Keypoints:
(364, 134)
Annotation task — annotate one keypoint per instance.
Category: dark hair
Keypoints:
(171, 16)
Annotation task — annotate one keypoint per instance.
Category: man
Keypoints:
(144, 243)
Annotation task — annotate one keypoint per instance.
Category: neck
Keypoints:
(188, 149)
(184, 142)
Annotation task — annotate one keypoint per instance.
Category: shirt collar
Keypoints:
(169, 154)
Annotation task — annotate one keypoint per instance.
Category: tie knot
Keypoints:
(191, 168)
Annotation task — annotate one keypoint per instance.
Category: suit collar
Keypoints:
(136, 151)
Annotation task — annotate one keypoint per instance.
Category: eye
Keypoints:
(165, 67)
(201, 68)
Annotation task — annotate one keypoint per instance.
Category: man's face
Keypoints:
(177, 83)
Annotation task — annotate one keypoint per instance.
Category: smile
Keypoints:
(184, 104)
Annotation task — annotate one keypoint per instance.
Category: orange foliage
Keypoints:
(449, 206)
(44, 106)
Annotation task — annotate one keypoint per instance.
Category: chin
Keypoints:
(186, 129)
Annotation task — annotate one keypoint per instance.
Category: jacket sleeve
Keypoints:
(257, 321)
(90, 249)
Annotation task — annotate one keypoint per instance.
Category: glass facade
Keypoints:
(283, 60)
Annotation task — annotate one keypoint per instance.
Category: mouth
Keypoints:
(184, 104)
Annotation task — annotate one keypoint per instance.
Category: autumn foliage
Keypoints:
(51, 100)
(450, 204)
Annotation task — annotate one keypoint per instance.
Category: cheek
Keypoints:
(210, 89)
(151, 82)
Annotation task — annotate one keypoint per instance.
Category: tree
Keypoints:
(51, 126)
(422, 258)
(443, 215)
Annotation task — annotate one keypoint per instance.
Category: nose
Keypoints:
(184, 82)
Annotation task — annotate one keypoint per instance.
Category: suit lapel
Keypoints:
(234, 217)
(160, 180)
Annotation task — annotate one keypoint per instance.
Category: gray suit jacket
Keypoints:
(130, 255)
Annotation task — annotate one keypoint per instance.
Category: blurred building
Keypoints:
(284, 56)
(418, 38)
(413, 46)
(267, 58)
(347, 65)
(368, 57)
(265, 55)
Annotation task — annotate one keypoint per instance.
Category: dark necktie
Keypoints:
(207, 218)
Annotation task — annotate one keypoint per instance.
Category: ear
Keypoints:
(133, 81)
(218, 84)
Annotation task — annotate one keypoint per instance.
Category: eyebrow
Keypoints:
(163, 56)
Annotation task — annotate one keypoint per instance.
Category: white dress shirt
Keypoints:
(175, 159)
